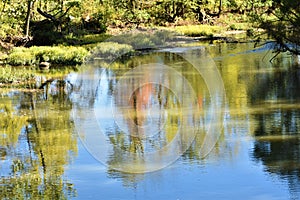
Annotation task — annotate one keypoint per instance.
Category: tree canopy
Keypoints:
(53, 19)
(282, 22)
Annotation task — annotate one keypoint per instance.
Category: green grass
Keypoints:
(199, 30)
(61, 55)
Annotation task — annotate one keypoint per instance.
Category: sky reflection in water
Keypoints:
(256, 157)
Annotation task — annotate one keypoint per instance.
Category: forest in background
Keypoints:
(45, 22)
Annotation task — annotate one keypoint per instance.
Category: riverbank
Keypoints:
(74, 51)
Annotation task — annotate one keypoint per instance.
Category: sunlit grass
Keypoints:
(61, 55)
(240, 26)
(199, 30)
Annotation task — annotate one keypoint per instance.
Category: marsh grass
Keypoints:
(199, 30)
(111, 50)
(55, 55)
(240, 26)
(147, 40)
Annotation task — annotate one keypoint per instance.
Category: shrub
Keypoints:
(19, 56)
(56, 55)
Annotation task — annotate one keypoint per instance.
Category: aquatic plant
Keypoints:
(61, 55)
(199, 30)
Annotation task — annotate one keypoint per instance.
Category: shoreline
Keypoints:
(237, 36)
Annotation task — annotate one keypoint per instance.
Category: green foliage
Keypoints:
(56, 55)
(12, 15)
(21, 56)
(6, 28)
(130, 11)
(282, 23)
(60, 19)
(137, 41)
(74, 19)
(171, 10)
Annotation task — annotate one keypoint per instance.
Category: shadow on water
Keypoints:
(277, 145)
(267, 96)
(277, 128)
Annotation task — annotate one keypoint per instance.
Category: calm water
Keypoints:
(50, 146)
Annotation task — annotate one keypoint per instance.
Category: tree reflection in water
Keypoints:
(267, 95)
(37, 141)
(165, 108)
(277, 132)
(277, 145)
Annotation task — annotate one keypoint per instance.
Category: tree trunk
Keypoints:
(28, 15)
(220, 8)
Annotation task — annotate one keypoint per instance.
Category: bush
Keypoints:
(19, 56)
(56, 55)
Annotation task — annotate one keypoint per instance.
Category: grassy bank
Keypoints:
(74, 51)
(61, 55)
(102, 45)
(199, 30)
(97, 46)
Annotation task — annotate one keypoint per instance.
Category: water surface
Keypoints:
(257, 155)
